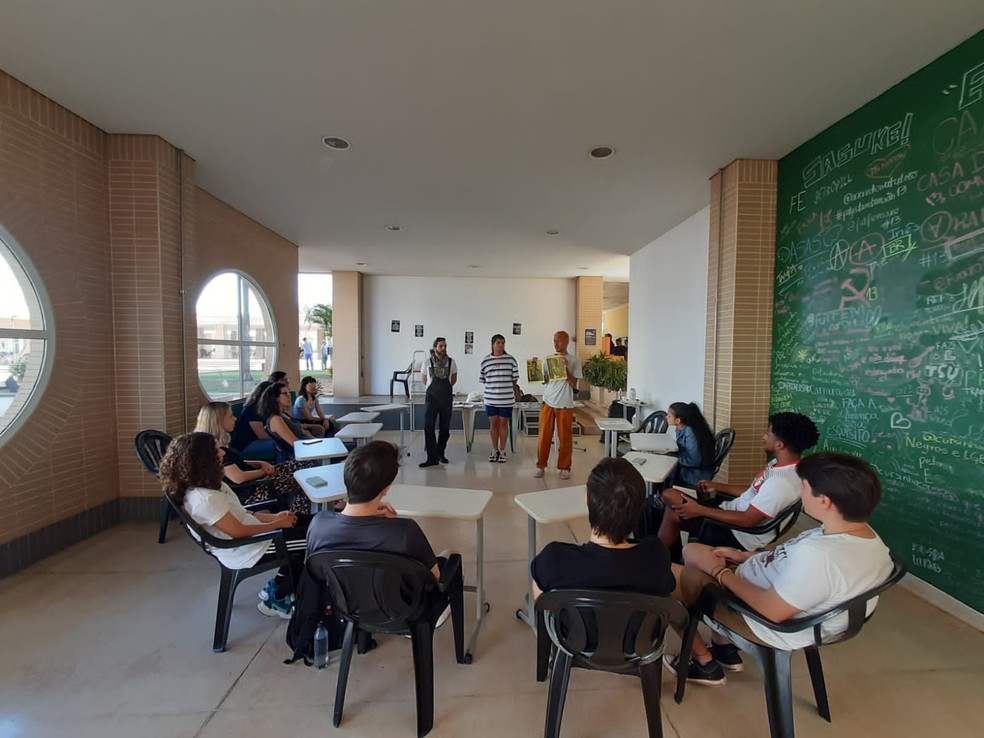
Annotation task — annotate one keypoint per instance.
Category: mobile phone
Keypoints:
(311, 442)
(317, 482)
(638, 461)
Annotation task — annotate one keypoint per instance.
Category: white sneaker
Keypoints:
(538, 473)
(565, 473)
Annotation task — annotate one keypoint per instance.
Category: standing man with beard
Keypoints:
(439, 373)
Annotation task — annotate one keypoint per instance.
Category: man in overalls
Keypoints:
(439, 373)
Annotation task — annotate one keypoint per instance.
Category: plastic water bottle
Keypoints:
(321, 647)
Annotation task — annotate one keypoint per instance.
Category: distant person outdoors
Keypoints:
(806, 575)
(191, 474)
(619, 350)
(695, 459)
(324, 354)
(216, 419)
(773, 490)
(439, 374)
(307, 410)
(558, 408)
(308, 354)
(500, 374)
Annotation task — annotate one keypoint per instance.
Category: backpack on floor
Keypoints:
(311, 607)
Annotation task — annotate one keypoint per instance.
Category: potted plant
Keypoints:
(606, 373)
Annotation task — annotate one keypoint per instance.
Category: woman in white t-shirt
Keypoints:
(191, 474)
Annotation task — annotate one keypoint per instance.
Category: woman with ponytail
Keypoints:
(695, 441)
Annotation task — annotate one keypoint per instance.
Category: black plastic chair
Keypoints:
(151, 445)
(775, 662)
(285, 449)
(618, 632)
(723, 441)
(655, 422)
(402, 377)
(384, 593)
(780, 525)
(230, 578)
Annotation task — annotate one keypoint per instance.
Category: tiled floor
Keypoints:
(112, 638)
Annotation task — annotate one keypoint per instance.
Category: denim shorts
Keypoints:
(493, 411)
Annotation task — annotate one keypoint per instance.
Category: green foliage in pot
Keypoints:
(606, 373)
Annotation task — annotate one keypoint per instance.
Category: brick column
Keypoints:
(738, 351)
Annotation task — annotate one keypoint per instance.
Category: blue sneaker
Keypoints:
(274, 608)
(269, 592)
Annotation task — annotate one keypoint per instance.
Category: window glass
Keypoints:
(25, 337)
(237, 339)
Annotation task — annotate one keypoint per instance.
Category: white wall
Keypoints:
(667, 311)
(449, 307)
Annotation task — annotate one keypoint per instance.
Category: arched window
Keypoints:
(26, 336)
(237, 338)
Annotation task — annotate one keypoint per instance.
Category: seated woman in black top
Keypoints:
(248, 434)
(279, 483)
(616, 492)
(274, 407)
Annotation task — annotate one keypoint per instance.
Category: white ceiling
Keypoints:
(470, 122)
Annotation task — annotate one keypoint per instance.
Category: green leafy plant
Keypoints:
(19, 368)
(320, 314)
(606, 373)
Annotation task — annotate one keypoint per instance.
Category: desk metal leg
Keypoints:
(481, 606)
(403, 446)
(526, 615)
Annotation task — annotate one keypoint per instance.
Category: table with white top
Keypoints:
(361, 433)
(416, 501)
(322, 484)
(654, 443)
(654, 468)
(468, 411)
(547, 506)
(393, 406)
(360, 417)
(319, 449)
(611, 427)
(626, 403)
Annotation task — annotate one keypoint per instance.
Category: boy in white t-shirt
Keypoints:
(773, 490)
(813, 572)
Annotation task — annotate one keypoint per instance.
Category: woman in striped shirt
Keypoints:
(499, 374)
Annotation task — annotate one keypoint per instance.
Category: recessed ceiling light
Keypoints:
(585, 268)
(474, 266)
(602, 152)
(553, 232)
(391, 227)
(362, 263)
(335, 142)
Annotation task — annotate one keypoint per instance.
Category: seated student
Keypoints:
(248, 436)
(774, 489)
(616, 492)
(273, 407)
(191, 473)
(811, 573)
(307, 410)
(216, 418)
(279, 376)
(695, 460)
(368, 523)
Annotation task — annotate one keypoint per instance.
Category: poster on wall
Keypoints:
(469, 338)
(590, 337)
(395, 326)
(517, 329)
(469, 348)
(418, 331)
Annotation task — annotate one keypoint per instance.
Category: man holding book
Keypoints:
(560, 376)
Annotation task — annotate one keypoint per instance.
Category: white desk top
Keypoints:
(657, 443)
(654, 468)
(359, 430)
(614, 424)
(631, 403)
(320, 448)
(384, 408)
(438, 502)
(365, 417)
(555, 505)
(333, 474)
(469, 406)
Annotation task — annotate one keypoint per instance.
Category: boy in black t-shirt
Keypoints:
(368, 523)
(616, 492)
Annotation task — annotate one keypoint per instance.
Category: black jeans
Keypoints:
(438, 408)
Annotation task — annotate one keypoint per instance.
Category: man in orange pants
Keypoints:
(558, 407)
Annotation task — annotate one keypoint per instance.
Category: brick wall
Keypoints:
(741, 267)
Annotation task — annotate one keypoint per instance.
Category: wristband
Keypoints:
(717, 572)
(720, 574)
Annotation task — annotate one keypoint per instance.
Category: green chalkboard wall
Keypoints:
(879, 307)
